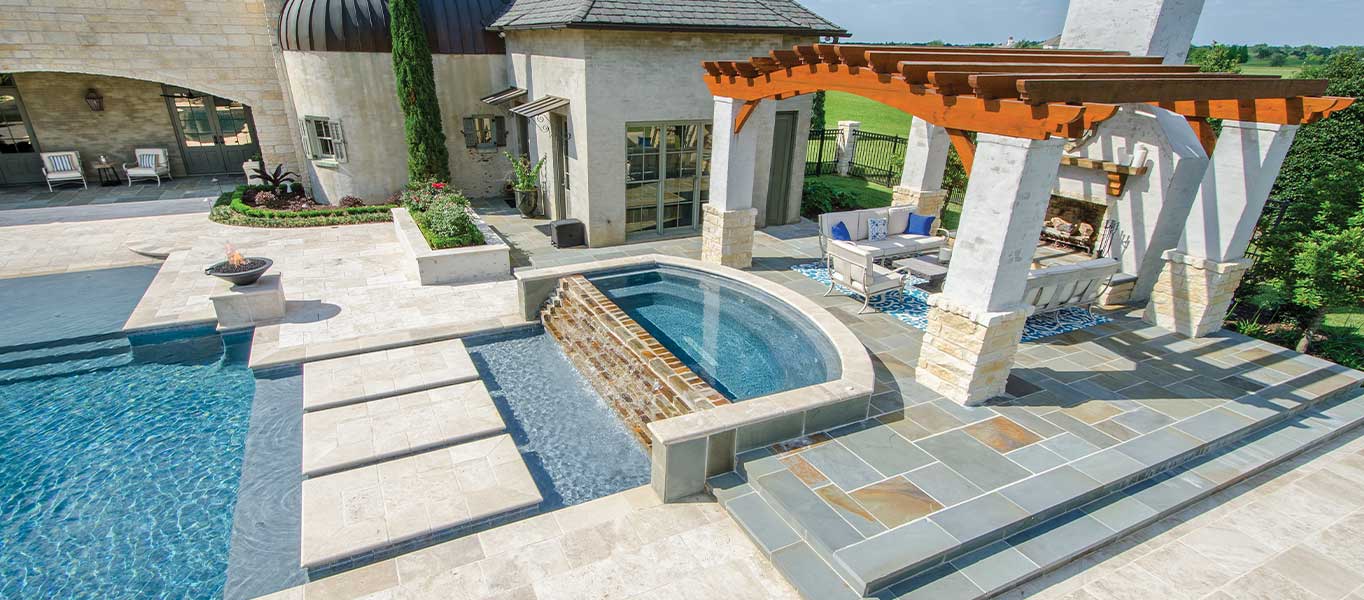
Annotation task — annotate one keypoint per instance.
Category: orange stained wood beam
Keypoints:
(966, 149)
(918, 71)
(1206, 136)
(1121, 90)
(1280, 111)
(967, 113)
(745, 112)
(1005, 85)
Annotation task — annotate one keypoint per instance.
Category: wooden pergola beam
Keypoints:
(887, 62)
(1005, 85)
(1280, 111)
(1119, 90)
(917, 71)
(966, 149)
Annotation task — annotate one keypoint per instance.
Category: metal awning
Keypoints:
(504, 96)
(540, 107)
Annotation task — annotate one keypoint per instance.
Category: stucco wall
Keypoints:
(223, 47)
(551, 63)
(134, 116)
(1152, 209)
(1144, 28)
(358, 89)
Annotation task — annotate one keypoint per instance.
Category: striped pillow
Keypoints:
(60, 163)
(146, 161)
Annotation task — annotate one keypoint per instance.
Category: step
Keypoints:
(364, 511)
(1044, 545)
(367, 376)
(363, 433)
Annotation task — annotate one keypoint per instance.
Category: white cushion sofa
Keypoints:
(897, 243)
(1080, 284)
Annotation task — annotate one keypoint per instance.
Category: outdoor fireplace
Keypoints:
(1074, 223)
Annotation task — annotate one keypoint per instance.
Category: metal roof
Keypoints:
(504, 96)
(452, 26)
(540, 107)
(673, 15)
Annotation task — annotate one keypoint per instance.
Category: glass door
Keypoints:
(668, 176)
(216, 134)
(19, 162)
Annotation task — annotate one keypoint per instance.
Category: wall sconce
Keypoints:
(95, 100)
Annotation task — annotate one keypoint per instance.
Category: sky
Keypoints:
(1294, 22)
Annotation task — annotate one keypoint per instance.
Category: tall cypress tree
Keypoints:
(427, 157)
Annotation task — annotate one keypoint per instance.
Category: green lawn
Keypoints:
(874, 116)
(1285, 71)
(871, 195)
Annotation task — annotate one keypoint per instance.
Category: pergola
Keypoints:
(1023, 104)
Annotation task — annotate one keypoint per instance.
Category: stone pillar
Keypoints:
(975, 324)
(925, 161)
(1200, 276)
(847, 144)
(1144, 28)
(728, 219)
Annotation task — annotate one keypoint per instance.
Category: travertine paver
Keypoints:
(363, 509)
(371, 431)
(359, 377)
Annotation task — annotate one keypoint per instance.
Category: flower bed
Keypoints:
(232, 209)
(449, 243)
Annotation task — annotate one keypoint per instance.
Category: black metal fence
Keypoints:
(821, 152)
(878, 157)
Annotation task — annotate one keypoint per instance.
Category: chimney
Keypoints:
(1142, 27)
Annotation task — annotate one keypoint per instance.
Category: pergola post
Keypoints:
(925, 161)
(976, 323)
(729, 218)
(1201, 275)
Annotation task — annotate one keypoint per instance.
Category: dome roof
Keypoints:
(452, 26)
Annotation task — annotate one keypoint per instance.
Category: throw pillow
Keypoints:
(840, 232)
(146, 161)
(876, 229)
(920, 225)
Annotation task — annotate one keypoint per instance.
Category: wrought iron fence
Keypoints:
(878, 157)
(821, 152)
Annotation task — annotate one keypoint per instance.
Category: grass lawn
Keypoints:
(1285, 71)
(870, 195)
(873, 115)
(1347, 319)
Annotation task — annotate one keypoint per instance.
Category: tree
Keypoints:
(817, 111)
(427, 157)
(1277, 59)
(1217, 59)
(1330, 269)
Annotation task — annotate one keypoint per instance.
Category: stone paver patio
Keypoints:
(38, 196)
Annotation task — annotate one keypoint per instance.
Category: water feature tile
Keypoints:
(943, 484)
(770, 531)
(1001, 434)
(896, 501)
(841, 465)
(885, 450)
(975, 461)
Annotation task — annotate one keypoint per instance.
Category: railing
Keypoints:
(821, 152)
(878, 157)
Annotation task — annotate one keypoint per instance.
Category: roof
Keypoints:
(452, 26)
(540, 107)
(672, 15)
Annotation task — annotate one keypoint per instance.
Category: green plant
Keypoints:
(276, 178)
(420, 196)
(817, 111)
(351, 202)
(272, 201)
(1330, 268)
(525, 176)
(818, 197)
(427, 157)
(448, 224)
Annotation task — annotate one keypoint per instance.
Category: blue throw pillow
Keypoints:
(920, 225)
(840, 232)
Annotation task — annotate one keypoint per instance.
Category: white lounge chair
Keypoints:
(856, 270)
(152, 163)
(63, 167)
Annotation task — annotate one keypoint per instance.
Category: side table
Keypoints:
(107, 175)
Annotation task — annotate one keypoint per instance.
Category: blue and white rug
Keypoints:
(910, 306)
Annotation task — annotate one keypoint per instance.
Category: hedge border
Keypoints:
(229, 209)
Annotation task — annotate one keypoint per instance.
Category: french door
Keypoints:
(216, 134)
(668, 176)
(19, 162)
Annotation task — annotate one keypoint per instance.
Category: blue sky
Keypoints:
(1321, 22)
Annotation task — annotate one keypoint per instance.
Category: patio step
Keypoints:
(372, 375)
(1040, 522)
(1038, 544)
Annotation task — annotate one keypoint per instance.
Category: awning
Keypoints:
(504, 96)
(540, 107)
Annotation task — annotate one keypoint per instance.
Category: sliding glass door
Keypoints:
(668, 177)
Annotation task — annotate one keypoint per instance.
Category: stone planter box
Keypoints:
(471, 264)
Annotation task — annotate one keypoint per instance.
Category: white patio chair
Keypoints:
(858, 271)
(63, 167)
(152, 163)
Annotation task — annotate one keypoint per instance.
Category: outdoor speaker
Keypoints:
(566, 233)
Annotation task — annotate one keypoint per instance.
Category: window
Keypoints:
(323, 139)
(485, 132)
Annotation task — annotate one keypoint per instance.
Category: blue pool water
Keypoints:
(574, 444)
(742, 341)
(120, 459)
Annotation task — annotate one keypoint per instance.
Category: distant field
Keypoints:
(1285, 71)
(875, 117)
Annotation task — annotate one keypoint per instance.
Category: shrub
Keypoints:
(351, 202)
(249, 196)
(230, 209)
(415, 77)
(271, 201)
(420, 197)
(819, 197)
(448, 224)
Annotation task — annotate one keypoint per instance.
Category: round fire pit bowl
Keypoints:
(246, 274)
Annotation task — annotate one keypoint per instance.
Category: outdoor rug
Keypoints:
(910, 306)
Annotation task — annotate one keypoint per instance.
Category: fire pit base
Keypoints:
(241, 306)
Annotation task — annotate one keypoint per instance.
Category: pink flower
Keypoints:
(438, 185)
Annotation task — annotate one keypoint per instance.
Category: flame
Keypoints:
(234, 257)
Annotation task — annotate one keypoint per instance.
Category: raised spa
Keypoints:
(740, 340)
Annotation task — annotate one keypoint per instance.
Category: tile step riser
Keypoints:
(370, 398)
(968, 546)
(1116, 535)
(381, 458)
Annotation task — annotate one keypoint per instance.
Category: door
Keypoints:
(216, 134)
(779, 176)
(19, 161)
(668, 177)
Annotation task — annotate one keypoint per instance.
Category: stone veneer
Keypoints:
(640, 379)
(1192, 294)
(966, 356)
(924, 202)
(727, 236)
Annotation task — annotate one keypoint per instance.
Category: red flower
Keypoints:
(438, 185)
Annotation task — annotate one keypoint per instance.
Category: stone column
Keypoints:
(1145, 28)
(728, 219)
(1200, 276)
(925, 161)
(975, 324)
(847, 144)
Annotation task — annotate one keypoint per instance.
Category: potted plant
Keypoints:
(250, 166)
(525, 182)
(238, 269)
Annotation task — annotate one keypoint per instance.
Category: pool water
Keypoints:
(572, 441)
(742, 341)
(122, 456)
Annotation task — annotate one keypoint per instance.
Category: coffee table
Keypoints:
(925, 267)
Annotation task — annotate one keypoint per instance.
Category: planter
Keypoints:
(527, 201)
(470, 264)
(509, 196)
(245, 276)
(249, 168)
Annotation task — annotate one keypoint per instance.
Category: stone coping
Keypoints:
(856, 375)
(1176, 256)
(470, 264)
(266, 352)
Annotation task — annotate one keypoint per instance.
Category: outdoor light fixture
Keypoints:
(95, 100)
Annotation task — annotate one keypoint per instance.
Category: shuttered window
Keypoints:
(324, 139)
(485, 132)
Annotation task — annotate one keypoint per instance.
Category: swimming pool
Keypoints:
(740, 340)
(122, 457)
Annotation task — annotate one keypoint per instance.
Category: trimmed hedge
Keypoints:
(229, 209)
(448, 225)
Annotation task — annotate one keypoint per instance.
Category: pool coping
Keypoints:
(687, 448)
